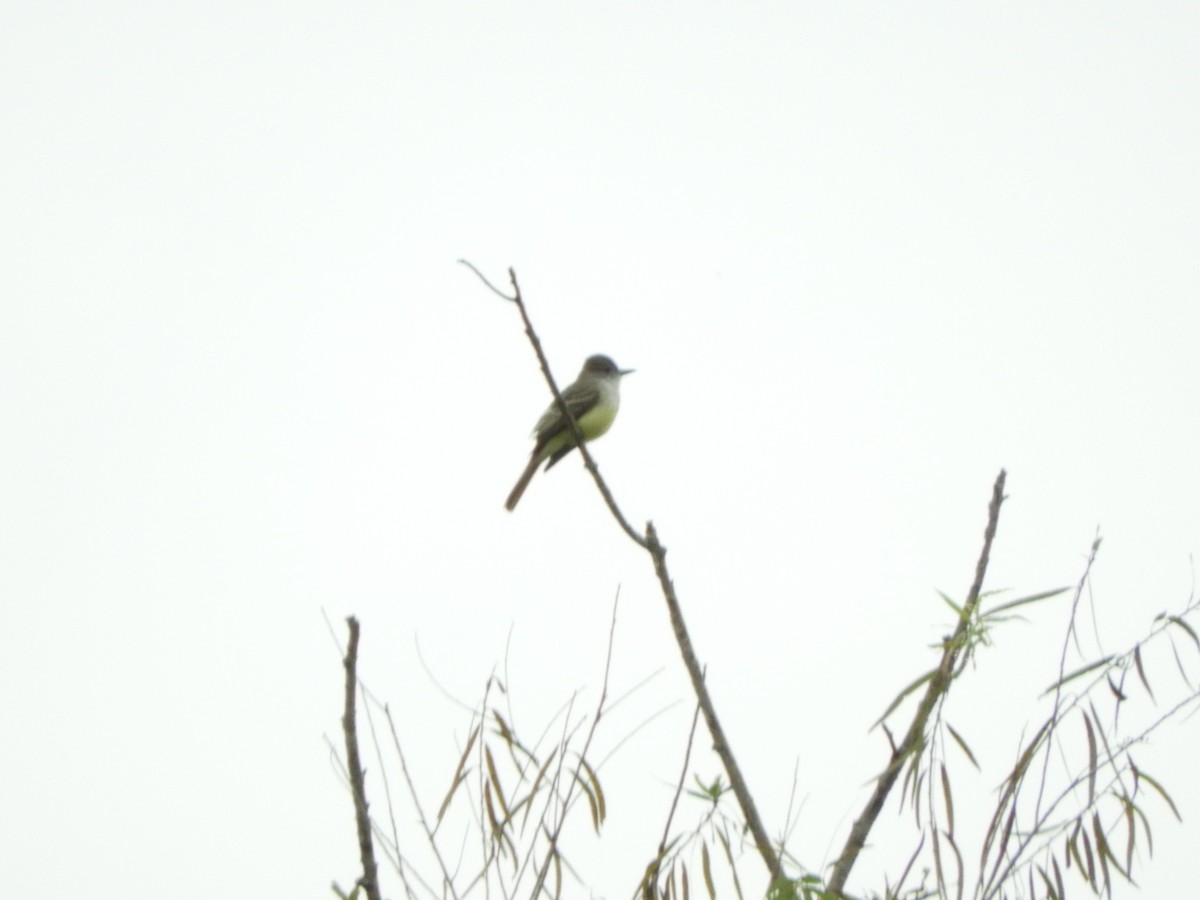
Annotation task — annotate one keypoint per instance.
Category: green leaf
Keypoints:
(1024, 601)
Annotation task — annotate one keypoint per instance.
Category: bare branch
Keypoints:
(720, 743)
(939, 684)
(366, 851)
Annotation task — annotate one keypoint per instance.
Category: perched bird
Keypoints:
(593, 400)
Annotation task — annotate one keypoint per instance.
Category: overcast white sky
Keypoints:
(862, 256)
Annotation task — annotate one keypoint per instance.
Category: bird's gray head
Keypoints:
(603, 365)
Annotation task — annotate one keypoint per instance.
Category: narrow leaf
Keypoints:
(1051, 893)
(948, 800)
(937, 862)
(595, 782)
(494, 778)
(591, 799)
(1032, 598)
(1078, 673)
(1162, 792)
(502, 727)
(1102, 852)
(963, 746)
(1091, 739)
(1137, 661)
(1131, 828)
(958, 610)
(1175, 620)
(1091, 862)
(1116, 691)
(458, 773)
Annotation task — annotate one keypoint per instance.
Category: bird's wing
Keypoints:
(579, 401)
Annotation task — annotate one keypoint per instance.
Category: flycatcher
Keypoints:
(593, 400)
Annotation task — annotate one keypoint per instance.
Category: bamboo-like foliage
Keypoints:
(1074, 809)
(515, 795)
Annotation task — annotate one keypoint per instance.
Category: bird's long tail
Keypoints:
(523, 482)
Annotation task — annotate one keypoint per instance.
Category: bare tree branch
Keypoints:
(939, 684)
(366, 851)
(720, 743)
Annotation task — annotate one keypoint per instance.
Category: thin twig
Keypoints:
(387, 792)
(366, 851)
(1062, 667)
(447, 878)
(938, 685)
(652, 874)
(566, 802)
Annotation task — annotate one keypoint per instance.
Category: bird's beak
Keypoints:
(626, 371)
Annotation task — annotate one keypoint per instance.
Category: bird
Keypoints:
(593, 399)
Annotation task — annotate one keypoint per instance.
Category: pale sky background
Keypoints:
(862, 256)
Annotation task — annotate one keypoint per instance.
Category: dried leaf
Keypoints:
(599, 791)
(1137, 811)
(948, 800)
(1058, 880)
(459, 774)
(1091, 739)
(494, 778)
(591, 799)
(1162, 792)
(1116, 691)
(1179, 665)
(1137, 661)
(706, 868)
(1073, 850)
(491, 809)
(502, 727)
(1175, 620)
(1131, 830)
(1102, 852)
(1091, 862)
(963, 745)
(1051, 893)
